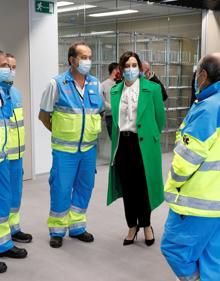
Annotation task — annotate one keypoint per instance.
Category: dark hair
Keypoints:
(8, 55)
(2, 53)
(125, 57)
(72, 49)
(211, 64)
(112, 66)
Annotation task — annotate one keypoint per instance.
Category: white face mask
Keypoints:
(84, 66)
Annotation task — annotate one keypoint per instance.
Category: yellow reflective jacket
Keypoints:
(16, 141)
(76, 120)
(192, 187)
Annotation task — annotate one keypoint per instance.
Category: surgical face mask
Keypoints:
(142, 74)
(11, 76)
(131, 73)
(4, 73)
(196, 87)
(84, 66)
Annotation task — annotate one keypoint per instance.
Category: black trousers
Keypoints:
(129, 165)
(108, 121)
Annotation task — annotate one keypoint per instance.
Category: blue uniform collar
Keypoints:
(5, 86)
(209, 91)
(69, 77)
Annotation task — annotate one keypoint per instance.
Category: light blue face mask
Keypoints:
(196, 87)
(84, 66)
(11, 77)
(4, 73)
(131, 73)
(142, 74)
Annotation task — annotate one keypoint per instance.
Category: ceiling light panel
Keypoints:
(114, 13)
(64, 3)
(75, 8)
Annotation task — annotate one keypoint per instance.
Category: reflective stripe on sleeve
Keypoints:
(191, 202)
(210, 166)
(188, 154)
(3, 219)
(177, 177)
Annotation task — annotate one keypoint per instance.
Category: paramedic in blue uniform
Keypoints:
(7, 248)
(15, 152)
(70, 108)
(191, 240)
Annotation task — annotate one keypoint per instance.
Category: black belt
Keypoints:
(127, 133)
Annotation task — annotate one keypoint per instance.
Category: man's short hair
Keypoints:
(9, 55)
(72, 49)
(211, 64)
(112, 66)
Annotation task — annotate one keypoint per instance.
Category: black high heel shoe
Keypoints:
(150, 242)
(129, 242)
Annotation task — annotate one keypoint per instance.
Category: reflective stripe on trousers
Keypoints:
(14, 220)
(75, 173)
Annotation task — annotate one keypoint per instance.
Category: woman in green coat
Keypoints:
(136, 166)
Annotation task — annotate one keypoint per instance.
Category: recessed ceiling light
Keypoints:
(167, 1)
(75, 8)
(114, 13)
(64, 3)
(102, 32)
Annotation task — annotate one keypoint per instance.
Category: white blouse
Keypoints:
(128, 107)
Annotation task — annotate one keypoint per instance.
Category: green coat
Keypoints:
(150, 122)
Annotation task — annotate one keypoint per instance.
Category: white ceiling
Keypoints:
(78, 18)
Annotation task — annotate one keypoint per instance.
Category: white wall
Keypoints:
(14, 33)
(43, 66)
(210, 32)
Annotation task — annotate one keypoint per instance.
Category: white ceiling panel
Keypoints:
(145, 10)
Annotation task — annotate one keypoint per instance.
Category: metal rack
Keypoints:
(171, 58)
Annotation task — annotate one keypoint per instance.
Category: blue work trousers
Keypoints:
(191, 246)
(5, 205)
(16, 182)
(71, 183)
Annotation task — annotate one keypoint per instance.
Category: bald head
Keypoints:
(146, 69)
(211, 65)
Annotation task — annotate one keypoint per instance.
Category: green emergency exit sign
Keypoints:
(44, 7)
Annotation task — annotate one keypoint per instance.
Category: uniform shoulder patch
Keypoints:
(186, 139)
